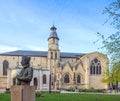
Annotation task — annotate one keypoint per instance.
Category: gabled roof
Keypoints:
(40, 53)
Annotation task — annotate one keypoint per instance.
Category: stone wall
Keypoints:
(3, 83)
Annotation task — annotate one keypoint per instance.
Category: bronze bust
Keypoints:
(26, 74)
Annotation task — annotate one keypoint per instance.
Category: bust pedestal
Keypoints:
(22, 93)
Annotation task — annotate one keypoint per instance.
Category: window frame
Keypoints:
(95, 67)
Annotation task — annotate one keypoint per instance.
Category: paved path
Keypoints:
(107, 92)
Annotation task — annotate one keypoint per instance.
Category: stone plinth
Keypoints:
(22, 93)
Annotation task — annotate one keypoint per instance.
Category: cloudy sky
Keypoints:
(25, 24)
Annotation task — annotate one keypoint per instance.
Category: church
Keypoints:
(54, 69)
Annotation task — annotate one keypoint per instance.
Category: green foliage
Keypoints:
(53, 91)
(38, 94)
(72, 89)
(113, 75)
(92, 90)
(107, 76)
(116, 72)
(112, 43)
(112, 46)
(7, 90)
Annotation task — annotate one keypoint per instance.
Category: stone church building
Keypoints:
(55, 69)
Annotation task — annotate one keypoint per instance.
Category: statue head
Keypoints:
(25, 60)
(26, 74)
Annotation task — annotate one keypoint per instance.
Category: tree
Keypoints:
(116, 73)
(107, 76)
(112, 42)
(113, 12)
(111, 76)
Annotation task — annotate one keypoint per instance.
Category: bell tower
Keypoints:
(53, 54)
(53, 39)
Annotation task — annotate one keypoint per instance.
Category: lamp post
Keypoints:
(50, 83)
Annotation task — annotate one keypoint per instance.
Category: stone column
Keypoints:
(9, 78)
(87, 72)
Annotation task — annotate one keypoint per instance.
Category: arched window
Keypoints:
(5, 67)
(56, 55)
(51, 55)
(44, 79)
(78, 79)
(66, 79)
(95, 67)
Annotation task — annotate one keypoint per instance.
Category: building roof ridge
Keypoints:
(40, 53)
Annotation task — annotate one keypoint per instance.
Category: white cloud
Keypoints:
(37, 48)
(5, 48)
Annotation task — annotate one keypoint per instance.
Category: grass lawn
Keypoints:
(70, 97)
(4, 97)
(78, 97)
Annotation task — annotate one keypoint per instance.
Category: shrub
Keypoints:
(38, 94)
(7, 90)
(91, 90)
(71, 89)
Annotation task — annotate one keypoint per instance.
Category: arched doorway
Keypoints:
(35, 82)
(14, 81)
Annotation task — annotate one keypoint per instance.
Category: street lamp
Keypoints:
(50, 83)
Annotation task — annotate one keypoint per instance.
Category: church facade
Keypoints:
(54, 69)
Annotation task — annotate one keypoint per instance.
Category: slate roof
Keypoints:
(53, 33)
(71, 55)
(40, 53)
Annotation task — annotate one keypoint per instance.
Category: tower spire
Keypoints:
(53, 33)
